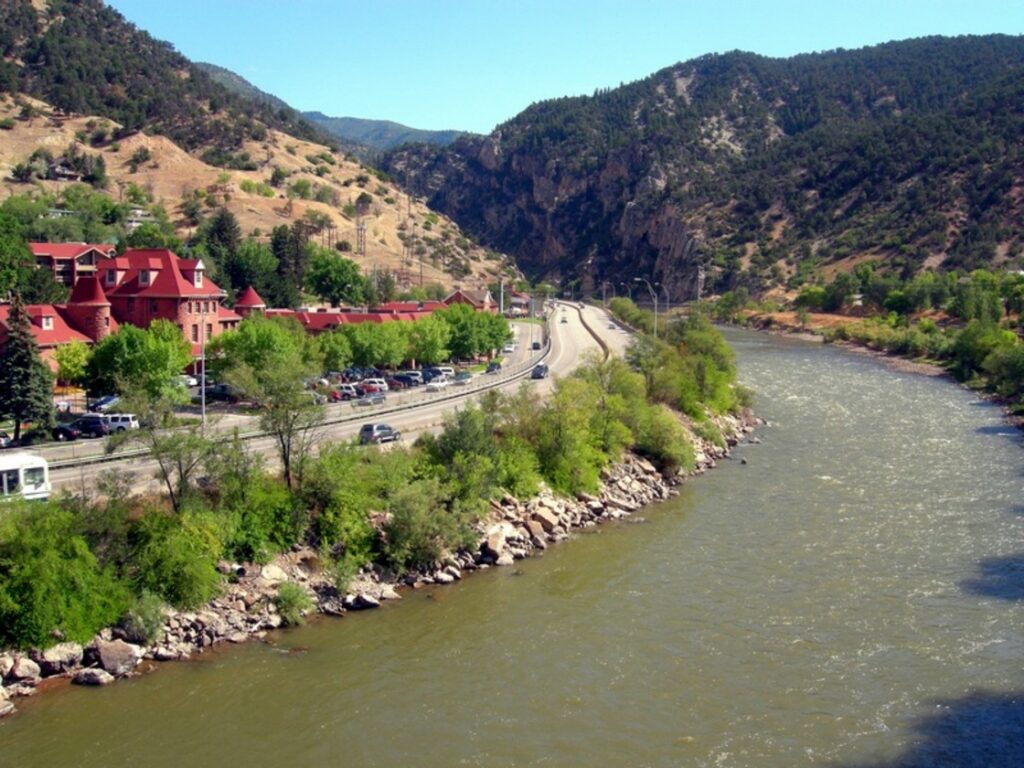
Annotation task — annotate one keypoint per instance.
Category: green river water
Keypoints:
(853, 595)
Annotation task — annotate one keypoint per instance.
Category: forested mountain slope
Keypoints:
(909, 152)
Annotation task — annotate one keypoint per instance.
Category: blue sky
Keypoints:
(471, 64)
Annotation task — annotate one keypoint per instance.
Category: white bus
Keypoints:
(24, 474)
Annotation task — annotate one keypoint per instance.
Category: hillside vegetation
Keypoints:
(768, 169)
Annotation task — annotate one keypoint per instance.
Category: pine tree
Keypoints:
(26, 384)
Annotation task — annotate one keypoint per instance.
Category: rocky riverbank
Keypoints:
(513, 530)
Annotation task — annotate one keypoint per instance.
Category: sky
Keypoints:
(472, 64)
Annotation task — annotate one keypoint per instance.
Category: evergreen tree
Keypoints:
(26, 384)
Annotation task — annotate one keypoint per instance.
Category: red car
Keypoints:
(344, 392)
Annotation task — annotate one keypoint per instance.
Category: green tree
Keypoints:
(26, 384)
(133, 359)
(71, 359)
(15, 257)
(38, 286)
(336, 350)
(428, 340)
(334, 278)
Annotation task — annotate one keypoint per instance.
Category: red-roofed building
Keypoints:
(146, 284)
(250, 301)
(481, 301)
(50, 328)
(69, 261)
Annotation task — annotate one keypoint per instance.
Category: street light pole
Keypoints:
(654, 297)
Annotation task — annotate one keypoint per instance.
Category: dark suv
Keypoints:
(378, 433)
(90, 426)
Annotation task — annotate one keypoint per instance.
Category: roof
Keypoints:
(68, 250)
(250, 300)
(398, 306)
(167, 281)
(476, 298)
(59, 333)
(88, 290)
(227, 315)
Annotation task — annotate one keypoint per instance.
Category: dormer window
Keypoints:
(109, 277)
(143, 277)
(47, 323)
(197, 279)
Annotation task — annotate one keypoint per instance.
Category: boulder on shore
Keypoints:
(24, 670)
(59, 659)
(92, 676)
(114, 656)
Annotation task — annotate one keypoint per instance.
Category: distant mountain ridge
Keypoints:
(380, 134)
(766, 170)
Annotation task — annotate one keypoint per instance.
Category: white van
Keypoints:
(119, 422)
(24, 474)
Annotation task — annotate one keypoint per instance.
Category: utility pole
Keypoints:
(654, 297)
(360, 236)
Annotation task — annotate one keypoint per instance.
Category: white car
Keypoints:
(119, 422)
(380, 384)
(437, 384)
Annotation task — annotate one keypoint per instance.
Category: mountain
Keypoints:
(379, 134)
(766, 170)
(239, 85)
(84, 95)
(83, 57)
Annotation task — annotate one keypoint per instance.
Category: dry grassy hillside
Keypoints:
(440, 252)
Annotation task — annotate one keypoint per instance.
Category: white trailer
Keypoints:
(25, 475)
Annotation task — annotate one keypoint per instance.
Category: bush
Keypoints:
(145, 619)
(420, 527)
(177, 557)
(51, 585)
(292, 602)
(263, 521)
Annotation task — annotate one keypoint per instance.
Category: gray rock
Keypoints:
(363, 600)
(272, 574)
(6, 664)
(116, 656)
(6, 708)
(388, 592)
(59, 659)
(443, 577)
(547, 519)
(505, 559)
(24, 670)
(92, 676)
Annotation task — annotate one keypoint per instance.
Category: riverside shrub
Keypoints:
(177, 556)
(292, 602)
(51, 584)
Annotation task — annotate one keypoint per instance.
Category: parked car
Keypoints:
(447, 370)
(373, 398)
(120, 422)
(462, 378)
(494, 367)
(510, 347)
(63, 433)
(91, 425)
(5, 439)
(564, 319)
(405, 381)
(540, 371)
(429, 374)
(105, 403)
(344, 392)
(317, 398)
(187, 380)
(378, 433)
(416, 376)
(535, 346)
(221, 392)
(375, 384)
(437, 384)
(394, 382)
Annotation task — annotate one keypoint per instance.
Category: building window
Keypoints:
(198, 278)
(108, 277)
(190, 307)
(47, 323)
(143, 277)
(106, 322)
(195, 333)
(152, 306)
(131, 305)
(209, 331)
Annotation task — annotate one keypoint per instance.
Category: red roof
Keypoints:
(165, 278)
(69, 250)
(59, 332)
(398, 306)
(88, 290)
(250, 300)
(227, 315)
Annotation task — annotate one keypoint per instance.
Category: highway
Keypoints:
(412, 411)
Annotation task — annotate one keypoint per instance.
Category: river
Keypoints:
(852, 595)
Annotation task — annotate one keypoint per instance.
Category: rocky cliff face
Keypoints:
(747, 163)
